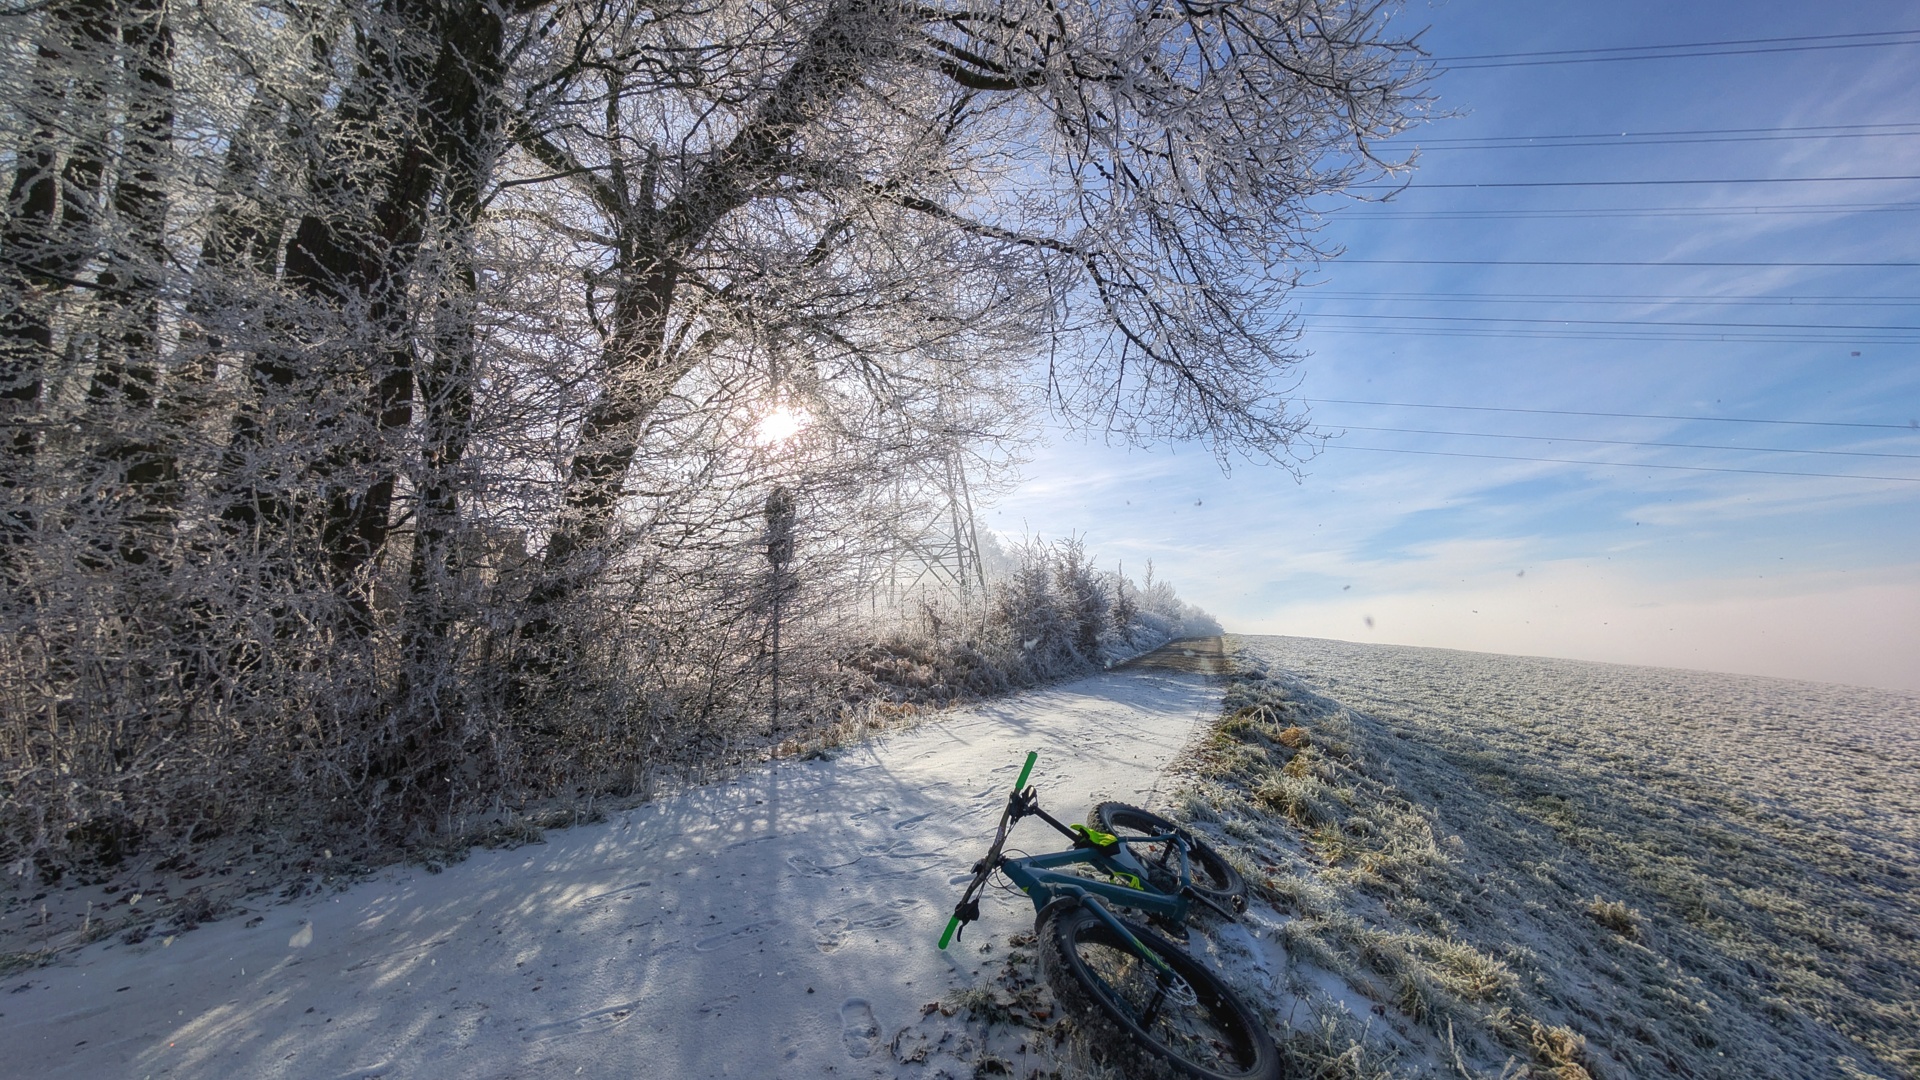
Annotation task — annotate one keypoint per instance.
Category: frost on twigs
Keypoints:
(391, 395)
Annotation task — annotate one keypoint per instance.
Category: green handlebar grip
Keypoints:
(1026, 770)
(952, 925)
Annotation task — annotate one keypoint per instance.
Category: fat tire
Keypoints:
(1075, 944)
(1213, 876)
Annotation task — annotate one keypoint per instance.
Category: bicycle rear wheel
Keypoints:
(1193, 1028)
(1213, 877)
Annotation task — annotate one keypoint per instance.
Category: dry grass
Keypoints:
(1336, 1048)
(1616, 917)
(1574, 870)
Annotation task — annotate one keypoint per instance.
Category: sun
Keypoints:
(779, 425)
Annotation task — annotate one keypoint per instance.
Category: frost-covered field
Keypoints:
(1567, 867)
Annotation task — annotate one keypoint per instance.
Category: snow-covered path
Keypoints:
(781, 924)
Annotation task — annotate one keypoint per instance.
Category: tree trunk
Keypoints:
(639, 372)
(47, 238)
(133, 453)
(415, 112)
(428, 704)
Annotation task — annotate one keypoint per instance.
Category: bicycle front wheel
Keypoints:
(1213, 876)
(1187, 1026)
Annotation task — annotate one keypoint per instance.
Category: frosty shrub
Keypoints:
(1049, 613)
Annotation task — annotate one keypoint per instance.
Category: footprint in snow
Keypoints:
(813, 869)
(868, 812)
(902, 848)
(832, 932)
(623, 892)
(599, 1020)
(714, 941)
(408, 952)
(858, 1028)
(913, 822)
(808, 866)
(903, 857)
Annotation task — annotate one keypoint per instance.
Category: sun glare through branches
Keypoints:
(779, 425)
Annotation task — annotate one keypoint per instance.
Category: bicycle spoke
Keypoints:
(1172, 1016)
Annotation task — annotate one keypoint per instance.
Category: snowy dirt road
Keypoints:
(780, 924)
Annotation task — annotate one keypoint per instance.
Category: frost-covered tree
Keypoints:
(1028, 607)
(1125, 183)
(1125, 611)
(370, 369)
(1082, 593)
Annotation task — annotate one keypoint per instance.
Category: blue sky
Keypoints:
(1803, 576)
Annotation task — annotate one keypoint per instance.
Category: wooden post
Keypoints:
(779, 554)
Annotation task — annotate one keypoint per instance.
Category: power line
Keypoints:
(1630, 442)
(1682, 45)
(1639, 183)
(1620, 262)
(1620, 415)
(1751, 327)
(1619, 298)
(1742, 47)
(1675, 55)
(1579, 334)
(1777, 210)
(1622, 464)
(1625, 141)
(1519, 334)
(1810, 131)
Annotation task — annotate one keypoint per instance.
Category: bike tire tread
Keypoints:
(1231, 891)
(1113, 1041)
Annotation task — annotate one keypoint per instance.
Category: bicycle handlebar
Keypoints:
(946, 937)
(968, 909)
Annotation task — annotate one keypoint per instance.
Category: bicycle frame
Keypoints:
(1077, 955)
(1042, 879)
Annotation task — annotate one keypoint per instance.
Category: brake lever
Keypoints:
(964, 912)
(1022, 804)
(968, 909)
